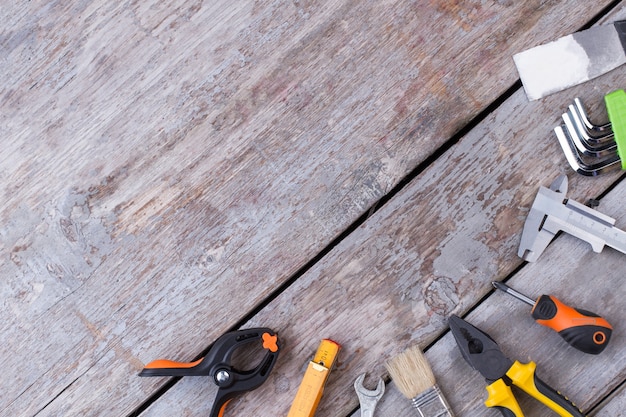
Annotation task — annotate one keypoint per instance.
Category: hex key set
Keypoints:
(592, 149)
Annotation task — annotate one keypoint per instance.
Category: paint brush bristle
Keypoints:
(414, 377)
(411, 372)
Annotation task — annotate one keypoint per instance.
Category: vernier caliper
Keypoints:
(552, 212)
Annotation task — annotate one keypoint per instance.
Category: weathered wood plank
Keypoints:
(432, 251)
(616, 407)
(379, 322)
(149, 201)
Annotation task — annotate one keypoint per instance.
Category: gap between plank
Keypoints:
(607, 399)
(376, 206)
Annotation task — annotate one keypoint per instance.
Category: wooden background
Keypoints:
(355, 170)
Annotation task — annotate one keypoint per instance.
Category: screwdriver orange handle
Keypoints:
(584, 330)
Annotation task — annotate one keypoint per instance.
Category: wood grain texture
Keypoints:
(392, 315)
(434, 250)
(167, 165)
(614, 407)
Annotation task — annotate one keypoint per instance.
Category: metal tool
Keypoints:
(368, 398)
(582, 329)
(597, 147)
(592, 129)
(552, 212)
(593, 135)
(572, 59)
(217, 365)
(593, 149)
(482, 353)
(576, 161)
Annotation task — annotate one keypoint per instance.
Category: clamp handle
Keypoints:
(233, 382)
(217, 364)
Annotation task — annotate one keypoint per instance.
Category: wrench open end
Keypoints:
(368, 398)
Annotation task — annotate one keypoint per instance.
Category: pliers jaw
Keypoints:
(479, 350)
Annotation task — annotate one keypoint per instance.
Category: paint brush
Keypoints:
(414, 377)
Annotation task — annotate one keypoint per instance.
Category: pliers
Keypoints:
(217, 364)
(484, 355)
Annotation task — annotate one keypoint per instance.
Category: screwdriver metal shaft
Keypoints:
(503, 287)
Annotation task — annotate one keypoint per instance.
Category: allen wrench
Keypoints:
(576, 161)
(594, 130)
(592, 138)
(584, 144)
(593, 149)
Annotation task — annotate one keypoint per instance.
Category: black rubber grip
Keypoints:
(588, 339)
(506, 412)
(558, 398)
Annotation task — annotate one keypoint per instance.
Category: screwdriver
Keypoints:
(584, 330)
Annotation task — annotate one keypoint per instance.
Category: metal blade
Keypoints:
(570, 60)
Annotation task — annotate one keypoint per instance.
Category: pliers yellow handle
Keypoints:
(523, 376)
(484, 355)
(502, 398)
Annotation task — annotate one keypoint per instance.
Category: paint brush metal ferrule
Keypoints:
(432, 403)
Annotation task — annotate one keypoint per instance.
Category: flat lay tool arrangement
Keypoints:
(410, 371)
(313, 208)
(551, 213)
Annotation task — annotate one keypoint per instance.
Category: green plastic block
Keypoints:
(616, 107)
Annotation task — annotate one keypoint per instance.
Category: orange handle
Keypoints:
(167, 364)
(221, 412)
(584, 330)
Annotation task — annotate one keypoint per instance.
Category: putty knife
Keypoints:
(572, 59)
